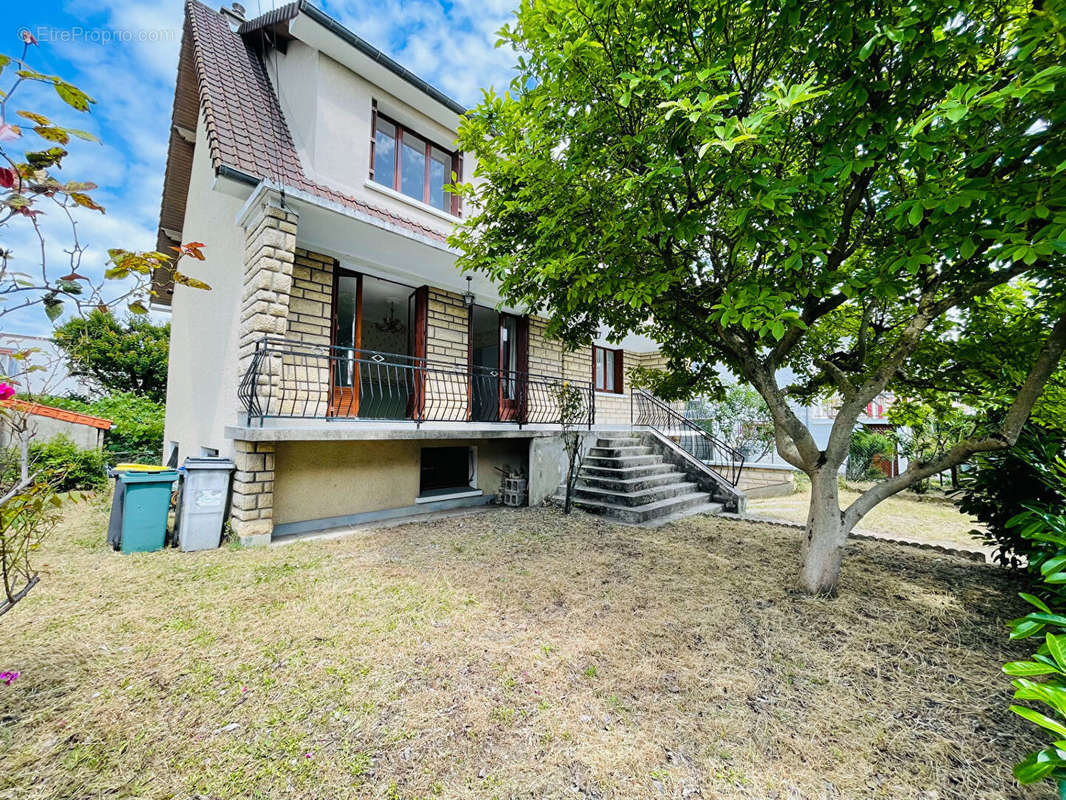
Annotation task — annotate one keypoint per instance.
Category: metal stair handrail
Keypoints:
(649, 411)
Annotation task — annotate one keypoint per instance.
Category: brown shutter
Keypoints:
(522, 362)
(421, 331)
(457, 168)
(618, 373)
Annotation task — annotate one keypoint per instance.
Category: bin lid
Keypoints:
(140, 468)
(207, 462)
(153, 476)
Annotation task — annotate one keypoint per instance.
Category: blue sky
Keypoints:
(124, 54)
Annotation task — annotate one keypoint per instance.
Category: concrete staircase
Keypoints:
(625, 479)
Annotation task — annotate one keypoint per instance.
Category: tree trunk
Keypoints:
(823, 546)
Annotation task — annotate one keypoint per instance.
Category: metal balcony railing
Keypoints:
(649, 411)
(290, 379)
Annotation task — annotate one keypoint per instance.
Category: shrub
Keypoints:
(865, 447)
(63, 464)
(1044, 527)
(137, 433)
(1000, 485)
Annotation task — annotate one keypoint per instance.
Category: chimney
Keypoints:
(235, 14)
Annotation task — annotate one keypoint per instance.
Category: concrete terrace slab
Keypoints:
(363, 430)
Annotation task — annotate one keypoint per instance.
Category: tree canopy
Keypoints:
(116, 356)
(834, 188)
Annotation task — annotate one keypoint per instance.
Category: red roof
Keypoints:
(39, 410)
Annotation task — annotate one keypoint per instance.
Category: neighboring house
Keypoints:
(40, 423)
(50, 374)
(340, 358)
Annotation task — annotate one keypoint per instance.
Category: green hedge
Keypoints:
(137, 434)
(62, 461)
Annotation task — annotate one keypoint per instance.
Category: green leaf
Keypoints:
(1057, 647)
(53, 308)
(1042, 720)
(52, 134)
(1026, 668)
(1024, 628)
(1033, 600)
(91, 137)
(72, 95)
(916, 214)
(866, 49)
(1037, 766)
(137, 307)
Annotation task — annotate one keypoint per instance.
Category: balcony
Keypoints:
(291, 380)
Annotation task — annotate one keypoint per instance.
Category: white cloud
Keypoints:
(125, 56)
(451, 45)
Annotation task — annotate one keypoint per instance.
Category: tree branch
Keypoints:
(1028, 393)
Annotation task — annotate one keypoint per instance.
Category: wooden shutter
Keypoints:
(522, 362)
(618, 374)
(421, 326)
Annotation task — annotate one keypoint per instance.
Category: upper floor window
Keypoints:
(607, 369)
(413, 165)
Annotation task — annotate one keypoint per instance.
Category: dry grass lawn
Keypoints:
(508, 655)
(933, 521)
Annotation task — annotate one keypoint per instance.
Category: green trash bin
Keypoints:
(139, 511)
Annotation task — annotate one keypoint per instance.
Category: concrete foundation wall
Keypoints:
(321, 480)
(548, 463)
(767, 482)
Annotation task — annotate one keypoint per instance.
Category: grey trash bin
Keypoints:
(202, 502)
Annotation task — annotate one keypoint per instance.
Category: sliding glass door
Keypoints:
(374, 347)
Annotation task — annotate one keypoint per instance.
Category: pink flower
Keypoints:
(27, 37)
(9, 133)
(7, 391)
(8, 677)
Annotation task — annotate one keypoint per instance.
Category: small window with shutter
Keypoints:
(607, 369)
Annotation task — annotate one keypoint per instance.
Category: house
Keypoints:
(340, 357)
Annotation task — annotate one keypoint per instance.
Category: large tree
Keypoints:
(115, 356)
(823, 186)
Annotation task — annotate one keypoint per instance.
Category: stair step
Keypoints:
(618, 441)
(622, 461)
(638, 471)
(707, 508)
(630, 484)
(625, 451)
(647, 512)
(641, 498)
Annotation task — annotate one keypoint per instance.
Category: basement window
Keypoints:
(447, 472)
